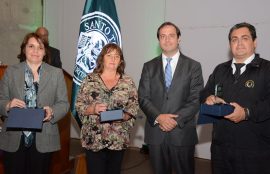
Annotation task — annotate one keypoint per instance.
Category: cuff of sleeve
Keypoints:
(180, 122)
(247, 114)
(181, 125)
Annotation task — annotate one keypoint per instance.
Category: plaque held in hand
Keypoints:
(111, 115)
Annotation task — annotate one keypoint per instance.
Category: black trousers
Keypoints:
(26, 160)
(167, 158)
(228, 160)
(104, 161)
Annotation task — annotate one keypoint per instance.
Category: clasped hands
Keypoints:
(167, 122)
(21, 104)
(238, 113)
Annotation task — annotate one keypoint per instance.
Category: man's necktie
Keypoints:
(168, 73)
(237, 73)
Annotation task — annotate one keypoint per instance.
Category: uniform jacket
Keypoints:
(52, 92)
(252, 91)
(182, 99)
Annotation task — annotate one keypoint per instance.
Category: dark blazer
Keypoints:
(55, 57)
(252, 91)
(52, 92)
(181, 99)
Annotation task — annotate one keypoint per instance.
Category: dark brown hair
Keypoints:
(250, 27)
(22, 56)
(178, 33)
(105, 50)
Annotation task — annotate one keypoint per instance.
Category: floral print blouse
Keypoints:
(114, 135)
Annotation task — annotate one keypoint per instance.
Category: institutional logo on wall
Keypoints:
(96, 30)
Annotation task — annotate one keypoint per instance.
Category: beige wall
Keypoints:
(17, 17)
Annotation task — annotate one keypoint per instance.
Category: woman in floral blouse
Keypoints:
(107, 88)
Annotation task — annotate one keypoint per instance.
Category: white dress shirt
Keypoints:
(173, 62)
(247, 61)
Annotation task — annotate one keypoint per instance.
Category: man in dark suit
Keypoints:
(169, 96)
(241, 140)
(54, 53)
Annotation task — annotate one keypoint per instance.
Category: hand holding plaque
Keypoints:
(215, 107)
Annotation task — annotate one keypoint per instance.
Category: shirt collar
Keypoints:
(247, 61)
(175, 57)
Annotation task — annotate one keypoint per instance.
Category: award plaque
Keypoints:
(25, 118)
(212, 113)
(112, 115)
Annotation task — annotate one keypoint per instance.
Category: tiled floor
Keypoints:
(138, 163)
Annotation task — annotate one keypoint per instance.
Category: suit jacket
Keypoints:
(181, 99)
(52, 92)
(55, 57)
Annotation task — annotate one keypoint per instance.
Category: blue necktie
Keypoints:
(168, 73)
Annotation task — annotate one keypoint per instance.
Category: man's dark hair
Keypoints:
(171, 24)
(250, 27)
